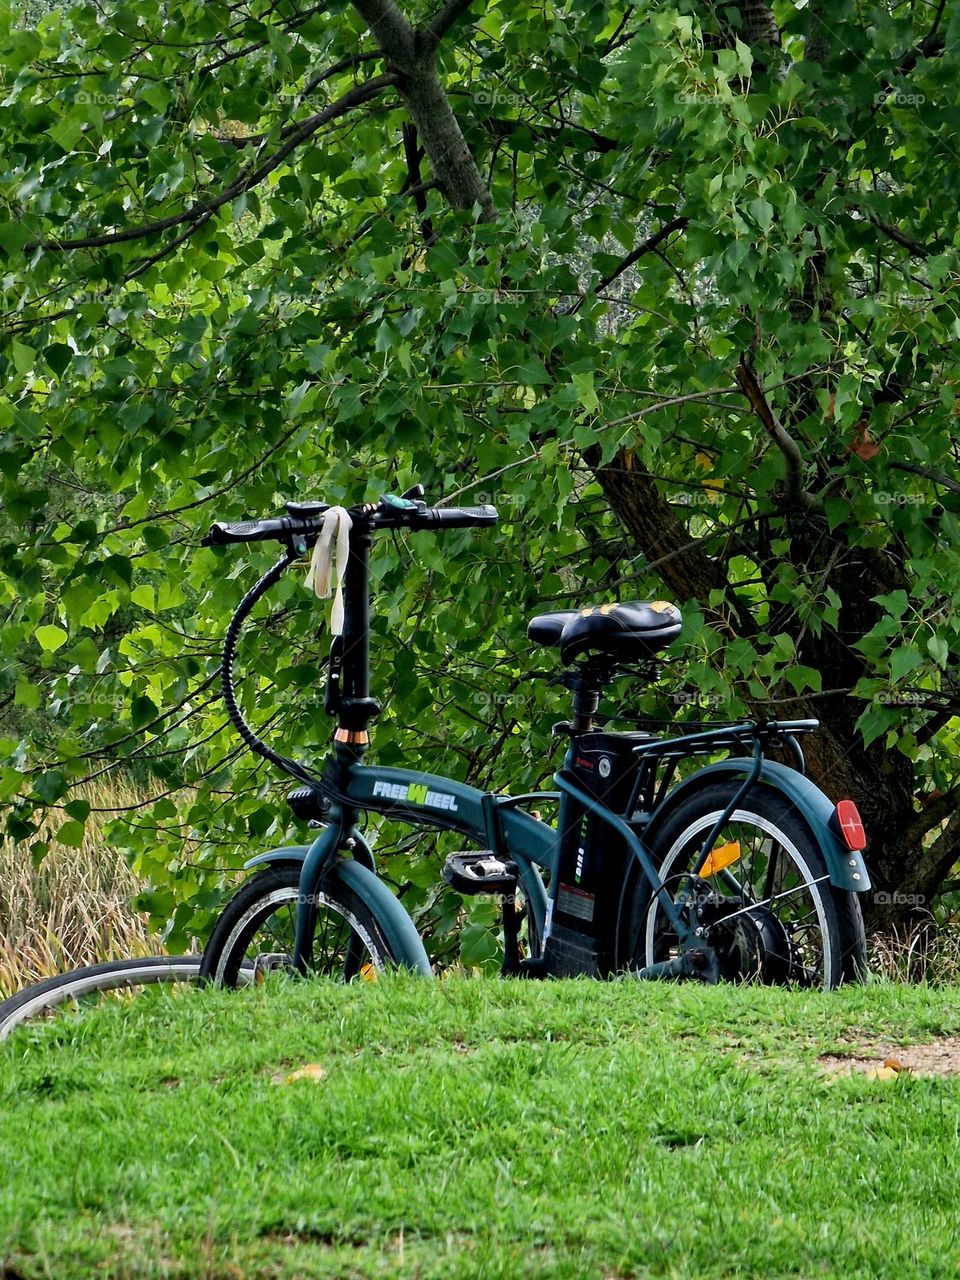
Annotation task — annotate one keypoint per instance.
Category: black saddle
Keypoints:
(630, 632)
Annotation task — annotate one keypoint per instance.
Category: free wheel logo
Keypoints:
(417, 793)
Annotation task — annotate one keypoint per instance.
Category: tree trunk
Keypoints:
(412, 56)
(441, 136)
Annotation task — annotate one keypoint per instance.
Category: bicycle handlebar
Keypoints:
(454, 517)
(303, 522)
(396, 513)
(221, 534)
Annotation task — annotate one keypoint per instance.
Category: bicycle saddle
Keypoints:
(630, 632)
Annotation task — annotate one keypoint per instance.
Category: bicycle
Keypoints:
(741, 871)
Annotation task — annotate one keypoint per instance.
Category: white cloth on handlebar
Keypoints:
(334, 542)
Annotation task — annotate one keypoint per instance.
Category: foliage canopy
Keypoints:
(672, 284)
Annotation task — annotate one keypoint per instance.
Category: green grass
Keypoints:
(475, 1128)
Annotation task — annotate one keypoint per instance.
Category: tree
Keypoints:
(672, 284)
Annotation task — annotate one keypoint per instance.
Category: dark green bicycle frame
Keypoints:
(501, 824)
(490, 820)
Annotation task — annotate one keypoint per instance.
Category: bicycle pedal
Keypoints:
(481, 872)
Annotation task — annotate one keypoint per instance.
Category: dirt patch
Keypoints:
(937, 1058)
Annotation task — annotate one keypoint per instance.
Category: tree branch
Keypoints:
(557, 134)
(425, 95)
(928, 473)
(917, 249)
(352, 98)
(651, 243)
(394, 34)
(413, 182)
(295, 21)
(154, 516)
(442, 21)
(343, 64)
(796, 494)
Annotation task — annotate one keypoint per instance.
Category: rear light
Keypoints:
(851, 826)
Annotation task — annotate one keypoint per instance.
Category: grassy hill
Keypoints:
(474, 1128)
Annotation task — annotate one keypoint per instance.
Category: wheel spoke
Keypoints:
(763, 915)
(263, 924)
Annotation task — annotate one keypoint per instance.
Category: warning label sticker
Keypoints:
(575, 902)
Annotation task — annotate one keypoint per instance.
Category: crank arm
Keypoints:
(698, 962)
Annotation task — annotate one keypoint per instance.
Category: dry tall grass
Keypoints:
(74, 908)
(921, 952)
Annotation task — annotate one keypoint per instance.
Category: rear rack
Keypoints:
(668, 752)
(769, 733)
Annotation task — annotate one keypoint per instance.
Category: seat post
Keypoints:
(585, 682)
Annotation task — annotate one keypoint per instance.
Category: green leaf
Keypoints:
(939, 650)
(762, 213)
(51, 637)
(583, 385)
(903, 660)
(71, 833)
(50, 786)
(27, 695)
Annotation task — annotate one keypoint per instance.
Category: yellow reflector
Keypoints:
(723, 856)
(368, 973)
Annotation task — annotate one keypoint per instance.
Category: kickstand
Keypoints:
(511, 934)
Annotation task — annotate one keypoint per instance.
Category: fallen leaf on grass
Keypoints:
(881, 1073)
(312, 1071)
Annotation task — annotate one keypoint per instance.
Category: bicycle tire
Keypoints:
(838, 920)
(111, 975)
(275, 891)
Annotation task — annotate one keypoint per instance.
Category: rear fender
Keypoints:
(846, 867)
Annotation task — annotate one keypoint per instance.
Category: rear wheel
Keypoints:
(763, 900)
(257, 928)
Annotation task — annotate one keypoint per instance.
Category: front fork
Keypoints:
(319, 856)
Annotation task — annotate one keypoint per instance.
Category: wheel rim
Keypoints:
(780, 897)
(268, 927)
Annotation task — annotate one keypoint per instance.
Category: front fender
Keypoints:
(289, 853)
(297, 853)
(399, 930)
(390, 913)
(847, 868)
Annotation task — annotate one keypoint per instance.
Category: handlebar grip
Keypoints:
(458, 517)
(220, 533)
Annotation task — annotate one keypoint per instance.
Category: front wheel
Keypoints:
(256, 931)
(763, 900)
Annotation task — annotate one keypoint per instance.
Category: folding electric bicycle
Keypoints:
(740, 871)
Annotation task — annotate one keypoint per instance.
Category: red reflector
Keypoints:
(851, 825)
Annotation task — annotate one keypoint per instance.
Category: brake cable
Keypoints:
(250, 738)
